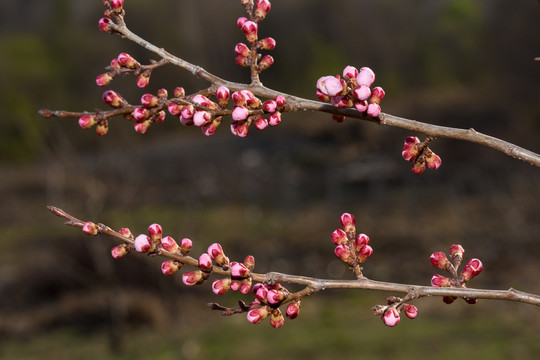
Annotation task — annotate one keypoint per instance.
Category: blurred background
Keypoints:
(276, 194)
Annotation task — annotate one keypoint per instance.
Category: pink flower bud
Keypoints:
(240, 113)
(120, 251)
(235, 285)
(144, 79)
(149, 100)
(240, 128)
(126, 233)
(362, 92)
(410, 310)
(221, 286)
(360, 241)
(155, 231)
(438, 259)
(433, 160)
(104, 25)
(348, 223)
(260, 123)
(191, 278)
(90, 228)
(440, 281)
(274, 119)
(204, 101)
(269, 106)
(160, 117)
(102, 128)
(364, 253)
(265, 62)
(410, 148)
(239, 270)
(170, 245)
(216, 252)
(267, 43)
(418, 167)
(350, 73)
(239, 99)
(185, 246)
(117, 5)
(113, 99)
(275, 297)
(261, 293)
(262, 7)
(390, 317)
(179, 92)
(249, 261)
(222, 94)
(174, 109)
(255, 316)
(143, 244)
(344, 253)
(170, 267)
(104, 79)
(240, 22)
(361, 106)
(280, 101)
(201, 118)
(330, 85)
(456, 252)
(342, 102)
(323, 97)
(293, 309)
(377, 94)
(127, 60)
(276, 319)
(210, 128)
(339, 237)
(242, 49)
(365, 76)
(188, 111)
(250, 30)
(245, 286)
(205, 262)
(473, 268)
(373, 110)
(142, 126)
(87, 121)
(242, 61)
(141, 114)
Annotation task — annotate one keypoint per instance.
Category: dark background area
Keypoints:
(276, 194)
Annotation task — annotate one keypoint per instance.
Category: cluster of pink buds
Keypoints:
(150, 112)
(420, 154)
(247, 55)
(470, 270)
(352, 90)
(390, 313)
(351, 248)
(268, 299)
(113, 8)
(124, 64)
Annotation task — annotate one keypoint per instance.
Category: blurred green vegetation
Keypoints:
(276, 194)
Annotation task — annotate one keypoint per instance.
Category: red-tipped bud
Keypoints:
(204, 101)
(179, 92)
(239, 270)
(348, 223)
(104, 79)
(344, 253)
(87, 121)
(322, 96)
(221, 286)
(360, 241)
(113, 99)
(144, 79)
(141, 114)
(419, 166)
(293, 309)
(342, 102)
(249, 261)
(235, 285)
(265, 62)
(267, 44)
(473, 268)
(120, 251)
(142, 126)
(377, 94)
(438, 259)
(280, 101)
(339, 237)
(362, 92)
(90, 228)
(143, 244)
(239, 99)
(274, 119)
(365, 76)
(440, 281)
(276, 319)
(116, 5)
(205, 262)
(185, 246)
(255, 316)
(127, 60)
(174, 109)
(242, 61)
(242, 49)
(275, 297)
(390, 317)
(240, 22)
(245, 286)
(149, 100)
(102, 128)
(216, 252)
(410, 148)
(188, 111)
(170, 245)
(191, 278)
(170, 267)
(262, 7)
(361, 106)
(250, 30)
(338, 118)
(155, 231)
(240, 113)
(350, 73)
(260, 123)
(222, 94)
(433, 160)
(240, 128)
(269, 106)
(115, 64)
(410, 310)
(210, 128)
(125, 232)
(201, 118)
(373, 110)
(364, 253)
(104, 25)
(160, 117)
(456, 252)
(261, 293)
(330, 85)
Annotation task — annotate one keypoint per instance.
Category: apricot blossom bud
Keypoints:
(141, 114)
(240, 22)
(330, 85)
(250, 30)
(419, 166)
(242, 61)
(142, 126)
(116, 5)
(242, 49)
(260, 123)
(113, 99)
(348, 223)
(239, 270)
(274, 119)
(364, 253)
(341, 101)
(240, 113)
(344, 253)
(473, 268)
(249, 261)
(245, 286)
(127, 60)
(201, 118)
(87, 121)
(433, 160)
(373, 110)
(170, 267)
(276, 319)
(360, 241)
(275, 296)
(280, 101)
(210, 128)
(261, 292)
(104, 25)
(255, 316)
(410, 148)
(293, 309)
(361, 106)
(149, 100)
(221, 286)
(265, 62)
(179, 92)
(262, 7)
(104, 79)
(191, 278)
(456, 252)
(205, 262)
(410, 310)
(350, 73)
(90, 228)
(377, 94)
(269, 106)
(222, 94)
(216, 252)
(144, 79)
(174, 109)
(339, 237)
(390, 317)
(125, 232)
(362, 92)
(240, 128)
(120, 251)
(365, 76)
(440, 281)
(267, 43)
(155, 231)
(143, 244)
(185, 246)
(438, 259)
(170, 245)
(188, 111)
(102, 128)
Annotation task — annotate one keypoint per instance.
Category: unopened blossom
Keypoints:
(339, 237)
(141, 114)
(433, 161)
(90, 228)
(280, 101)
(205, 262)
(104, 24)
(127, 60)
(240, 113)
(473, 268)
(239, 270)
(390, 317)
(344, 253)
(440, 281)
(377, 94)
(187, 111)
(170, 245)
(221, 286)
(185, 246)
(104, 79)
(142, 126)
(87, 121)
(201, 118)
(116, 5)
(260, 292)
(360, 241)
(262, 7)
(144, 79)
(125, 232)
(438, 259)
(240, 22)
(267, 43)
(102, 128)
(365, 76)
(179, 92)
(348, 223)
(362, 92)
(419, 166)
(245, 286)
(275, 296)
(204, 101)
(249, 262)
(149, 100)
(210, 128)
(276, 319)
(155, 231)
(361, 106)
(255, 316)
(410, 148)
(260, 123)
(174, 109)
(239, 99)
(373, 110)
(410, 310)
(170, 267)
(250, 30)
(364, 253)
(330, 85)
(222, 94)
(143, 244)
(269, 106)
(456, 252)
(342, 101)
(216, 252)
(120, 251)
(113, 99)
(240, 128)
(242, 50)
(350, 73)
(293, 309)
(274, 119)
(191, 278)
